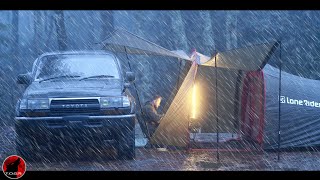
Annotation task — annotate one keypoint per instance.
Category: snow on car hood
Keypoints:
(74, 88)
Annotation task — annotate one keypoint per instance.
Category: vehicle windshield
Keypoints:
(82, 66)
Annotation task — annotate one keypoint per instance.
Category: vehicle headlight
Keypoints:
(108, 102)
(24, 104)
(33, 104)
(125, 101)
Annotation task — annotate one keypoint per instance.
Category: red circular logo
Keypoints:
(14, 167)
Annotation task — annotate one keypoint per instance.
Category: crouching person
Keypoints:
(153, 119)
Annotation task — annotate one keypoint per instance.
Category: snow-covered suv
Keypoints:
(76, 100)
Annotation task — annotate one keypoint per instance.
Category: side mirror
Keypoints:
(24, 79)
(130, 77)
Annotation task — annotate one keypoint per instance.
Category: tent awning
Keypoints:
(124, 41)
(249, 58)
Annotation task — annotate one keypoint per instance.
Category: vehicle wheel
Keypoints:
(126, 144)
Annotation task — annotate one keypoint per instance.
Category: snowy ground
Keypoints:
(151, 159)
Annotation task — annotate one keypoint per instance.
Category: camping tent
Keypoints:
(248, 105)
(235, 91)
(217, 90)
(173, 129)
(300, 108)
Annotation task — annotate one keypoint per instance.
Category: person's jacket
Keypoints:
(150, 112)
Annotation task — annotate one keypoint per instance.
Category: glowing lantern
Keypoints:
(193, 114)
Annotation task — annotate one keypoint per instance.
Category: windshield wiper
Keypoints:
(97, 76)
(58, 77)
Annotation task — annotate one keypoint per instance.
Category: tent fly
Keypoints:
(231, 67)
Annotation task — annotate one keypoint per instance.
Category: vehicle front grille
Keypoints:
(74, 101)
(75, 106)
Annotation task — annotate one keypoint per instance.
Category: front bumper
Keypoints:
(73, 130)
(75, 117)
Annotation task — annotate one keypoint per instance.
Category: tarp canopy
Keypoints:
(124, 41)
(249, 58)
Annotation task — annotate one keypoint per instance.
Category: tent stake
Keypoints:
(279, 116)
(217, 106)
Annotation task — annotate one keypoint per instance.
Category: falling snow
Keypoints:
(24, 35)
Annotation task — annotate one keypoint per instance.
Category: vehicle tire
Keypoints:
(126, 144)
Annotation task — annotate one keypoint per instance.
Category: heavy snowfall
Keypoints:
(25, 35)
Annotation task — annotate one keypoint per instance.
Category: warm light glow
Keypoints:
(193, 102)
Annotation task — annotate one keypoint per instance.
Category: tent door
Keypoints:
(253, 107)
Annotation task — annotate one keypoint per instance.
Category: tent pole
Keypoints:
(279, 116)
(180, 62)
(190, 119)
(138, 98)
(217, 106)
(237, 102)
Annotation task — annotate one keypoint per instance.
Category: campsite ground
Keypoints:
(153, 160)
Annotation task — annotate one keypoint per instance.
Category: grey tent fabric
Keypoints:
(126, 42)
(300, 109)
(249, 58)
(173, 128)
